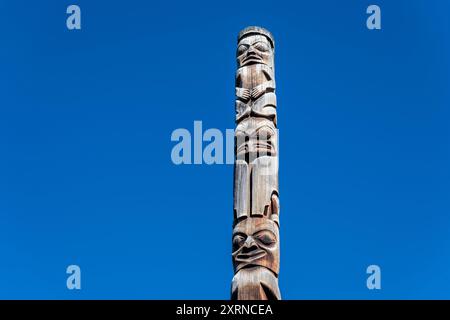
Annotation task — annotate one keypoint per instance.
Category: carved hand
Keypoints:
(258, 91)
(243, 93)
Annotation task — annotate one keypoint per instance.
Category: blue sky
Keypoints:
(86, 176)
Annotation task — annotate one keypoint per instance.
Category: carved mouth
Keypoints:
(263, 147)
(252, 58)
(255, 148)
(252, 256)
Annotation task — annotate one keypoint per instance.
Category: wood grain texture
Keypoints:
(256, 247)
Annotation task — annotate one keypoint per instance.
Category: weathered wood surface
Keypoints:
(256, 247)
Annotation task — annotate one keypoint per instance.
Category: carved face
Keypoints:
(255, 138)
(254, 49)
(255, 243)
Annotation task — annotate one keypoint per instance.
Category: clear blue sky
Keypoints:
(86, 176)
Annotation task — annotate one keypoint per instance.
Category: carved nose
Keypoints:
(249, 245)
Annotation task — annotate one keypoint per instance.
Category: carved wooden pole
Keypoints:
(256, 247)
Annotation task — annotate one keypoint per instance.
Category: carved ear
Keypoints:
(275, 208)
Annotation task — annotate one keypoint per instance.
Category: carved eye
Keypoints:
(238, 241)
(241, 49)
(266, 237)
(261, 46)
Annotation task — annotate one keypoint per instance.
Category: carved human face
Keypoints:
(255, 138)
(255, 243)
(254, 49)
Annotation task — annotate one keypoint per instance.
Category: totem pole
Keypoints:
(256, 247)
